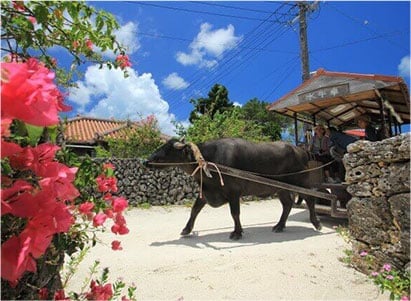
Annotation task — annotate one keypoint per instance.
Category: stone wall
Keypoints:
(154, 186)
(378, 174)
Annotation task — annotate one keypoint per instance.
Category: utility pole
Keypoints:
(303, 41)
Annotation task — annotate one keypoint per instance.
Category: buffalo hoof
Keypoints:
(235, 235)
(185, 232)
(278, 229)
(318, 226)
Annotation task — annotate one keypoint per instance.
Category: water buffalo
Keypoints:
(272, 158)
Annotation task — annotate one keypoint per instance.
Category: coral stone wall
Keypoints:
(378, 174)
(154, 186)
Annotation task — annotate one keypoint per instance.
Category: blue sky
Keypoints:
(179, 50)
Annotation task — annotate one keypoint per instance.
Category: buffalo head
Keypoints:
(173, 151)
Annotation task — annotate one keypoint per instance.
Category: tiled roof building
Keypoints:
(83, 133)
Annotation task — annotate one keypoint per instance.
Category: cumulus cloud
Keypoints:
(134, 97)
(208, 45)
(175, 82)
(404, 66)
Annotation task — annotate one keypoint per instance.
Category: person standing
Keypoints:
(371, 133)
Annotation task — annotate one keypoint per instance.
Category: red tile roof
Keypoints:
(89, 130)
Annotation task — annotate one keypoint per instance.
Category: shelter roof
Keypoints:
(338, 98)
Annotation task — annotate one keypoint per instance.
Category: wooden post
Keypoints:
(303, 41)
(296, 128)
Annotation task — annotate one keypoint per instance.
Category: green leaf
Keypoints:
(34, 133)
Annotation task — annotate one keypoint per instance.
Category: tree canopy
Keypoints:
(217, 101)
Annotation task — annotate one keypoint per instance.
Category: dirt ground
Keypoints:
(298, 264)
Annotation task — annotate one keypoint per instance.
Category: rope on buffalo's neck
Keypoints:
(202, 165)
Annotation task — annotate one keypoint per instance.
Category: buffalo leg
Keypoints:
(310, 201)
(195, 210)
(235, 213)
(287, 204)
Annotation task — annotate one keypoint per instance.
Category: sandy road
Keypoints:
(298, 264)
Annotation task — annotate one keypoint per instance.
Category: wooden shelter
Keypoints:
(338, 98)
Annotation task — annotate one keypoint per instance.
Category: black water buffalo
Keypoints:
(274, 158)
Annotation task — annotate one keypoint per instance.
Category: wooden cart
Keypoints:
(338, 99)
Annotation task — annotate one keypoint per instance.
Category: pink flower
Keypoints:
(99, 219)
(363, 253)
(108, 166)
(32, 19)
(106, 184)
(29, 94)
(123, 61)
(109, 213)
(115, 245)
(405, 298)
(386, 267)
(99, 292)
(89, 44)
(374, 274)
(43, 293)
(75, 44)
(390, 277)
(60, 295)
(86, 207)
(119, 204)
(15, 259)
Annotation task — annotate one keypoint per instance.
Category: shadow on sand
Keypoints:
(254, 234)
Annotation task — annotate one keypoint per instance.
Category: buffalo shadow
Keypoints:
(254, 234)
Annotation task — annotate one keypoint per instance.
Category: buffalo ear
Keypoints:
(178, 145)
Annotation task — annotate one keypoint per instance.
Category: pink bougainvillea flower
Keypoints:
(115, 245)
(29, 94)
(5, 127)
(32, 19)
(85, 208)
(10, 196)
(99, 292)
(60, 295)
(15, 259)
(18, 5)
(9, 148)
(43, 293)
(75, 44)
(363, 253)
(123, 61)
(108, 166)
(119, 204)
(119, 226)
(89, 44)
(405, 298)
(99, 219)
(106, 184)
(109, 213)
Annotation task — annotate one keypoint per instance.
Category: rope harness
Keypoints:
(203, 166)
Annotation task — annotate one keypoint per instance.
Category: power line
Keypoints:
(367, 27)
(232, 7)
(200, 12)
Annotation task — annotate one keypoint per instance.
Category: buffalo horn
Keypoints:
(178, 145)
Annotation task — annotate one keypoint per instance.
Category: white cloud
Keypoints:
(404, 66)
(208, 45)
(175, 82)
(126, 35)
(237, 104)
(134, 97)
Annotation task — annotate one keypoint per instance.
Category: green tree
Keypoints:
(226, 124)
(271, 124)
(32, 28)
(139, 142)
(217, 101)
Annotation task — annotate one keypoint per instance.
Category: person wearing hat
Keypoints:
(364, 122)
